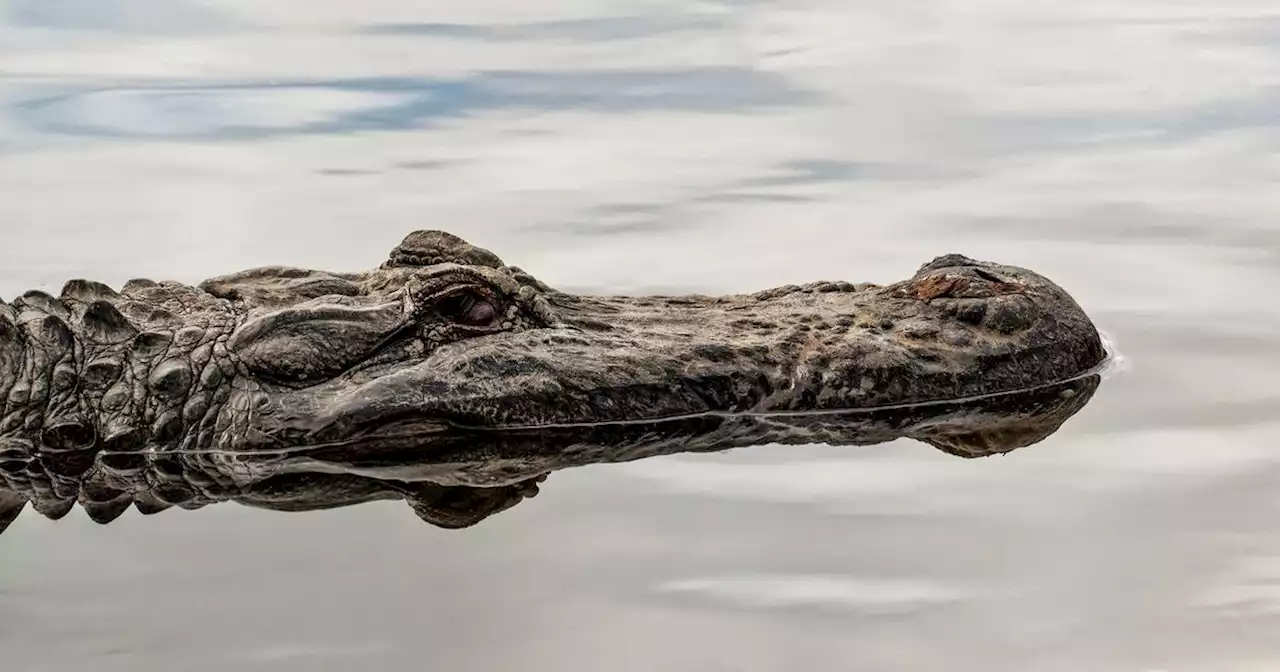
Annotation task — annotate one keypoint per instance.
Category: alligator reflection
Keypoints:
(470, 475)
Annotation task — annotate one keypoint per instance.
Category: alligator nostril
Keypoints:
(988, 276)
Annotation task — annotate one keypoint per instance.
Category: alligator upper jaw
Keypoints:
(958, 328)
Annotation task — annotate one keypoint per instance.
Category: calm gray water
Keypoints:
(1129, 150)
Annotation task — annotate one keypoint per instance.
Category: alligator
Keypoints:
(456, 382)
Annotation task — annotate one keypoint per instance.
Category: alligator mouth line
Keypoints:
(1105, 368)
(1113, 364)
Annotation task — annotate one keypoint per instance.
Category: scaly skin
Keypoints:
(445, 369)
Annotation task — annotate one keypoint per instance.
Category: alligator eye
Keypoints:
(469, 309)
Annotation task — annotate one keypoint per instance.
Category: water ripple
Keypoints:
(843, 593)
(240, 111)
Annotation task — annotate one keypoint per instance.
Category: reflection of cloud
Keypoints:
(197, 112)
(902, 478)
(1249, 587)
(1134, 223)
(587, 29)
(278, 653)
(808, 171)
(870, 596)
(150, 16)
(811, 481)
(1037, 57)
(342, 106)
(793, 181)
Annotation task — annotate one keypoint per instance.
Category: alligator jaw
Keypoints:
(957, 328)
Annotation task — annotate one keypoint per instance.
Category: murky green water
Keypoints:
(1128, 150)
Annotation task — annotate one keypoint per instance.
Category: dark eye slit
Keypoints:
(468, 308)
(457, 305)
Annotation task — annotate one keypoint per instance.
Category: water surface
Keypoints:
(1130, 151)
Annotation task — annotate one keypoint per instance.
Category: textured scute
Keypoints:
(88, 291)
(426, 248)
(11, 349)
(444, 366)
(106, 512)
(11, 505)
(279, 286)
(54, 508)
(104, 323)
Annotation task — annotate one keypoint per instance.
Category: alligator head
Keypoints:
(165, 394)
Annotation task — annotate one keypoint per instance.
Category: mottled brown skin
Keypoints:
(445, 376)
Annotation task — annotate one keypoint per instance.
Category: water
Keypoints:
(1129, 151)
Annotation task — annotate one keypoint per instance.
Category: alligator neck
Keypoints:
(99, 382)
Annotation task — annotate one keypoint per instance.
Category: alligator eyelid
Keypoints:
(396, 334)
(419, 305)
(391, 337)
(414, 311)
(476, 288)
